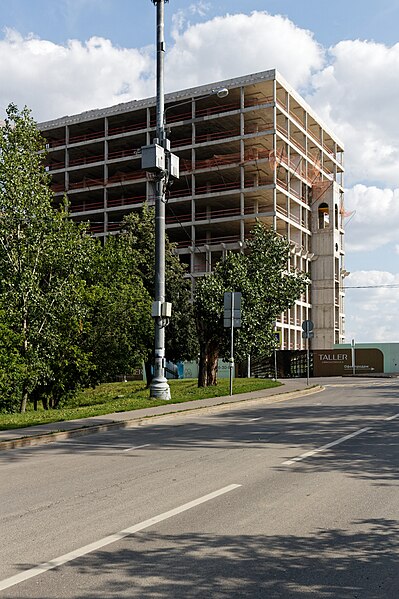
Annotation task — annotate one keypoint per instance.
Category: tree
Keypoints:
(119, 328)
(11, 368)
(139, 235)
(268, 288)
(43, 258)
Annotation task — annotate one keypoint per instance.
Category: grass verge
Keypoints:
(122, 397)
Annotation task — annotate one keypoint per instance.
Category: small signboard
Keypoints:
(232, 309)
(307, 329)
(338, 362)
(277, 338)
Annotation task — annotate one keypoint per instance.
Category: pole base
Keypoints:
(159, 389)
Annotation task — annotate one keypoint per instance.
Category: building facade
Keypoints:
(258, 153)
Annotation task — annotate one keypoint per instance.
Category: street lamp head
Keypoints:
(222, 93)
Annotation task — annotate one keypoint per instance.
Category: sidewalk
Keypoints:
(56, 431)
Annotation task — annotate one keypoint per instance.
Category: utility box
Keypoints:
(153, 158)
(161, 309)
(174, 166)
(166, 310)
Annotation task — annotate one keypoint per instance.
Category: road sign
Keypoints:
(232, 300)
(308, 335)
(277, 338)
(307, 329)
(232, 320)
(307, 326)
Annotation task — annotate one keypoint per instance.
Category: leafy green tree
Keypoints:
(118, 330)
(43, 257)
(12, 369)
(268, 288)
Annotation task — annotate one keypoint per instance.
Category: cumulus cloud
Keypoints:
(375, 222)
(357, 94)
(371, 313)
(59, 79)
(238, 44)
(55, 80)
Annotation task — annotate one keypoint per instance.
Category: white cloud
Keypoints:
(376, 219)
(371, 313)
(238, 44)
(55, 80)
(357, 94)
(200, 8)
(180, 19)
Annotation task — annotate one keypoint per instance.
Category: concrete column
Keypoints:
(66, 180)
(275, 153)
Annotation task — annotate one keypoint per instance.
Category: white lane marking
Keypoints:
(89, 445)
(253, 419)
(392, 417)
(63, 559)
(324, 447)
(136, 447)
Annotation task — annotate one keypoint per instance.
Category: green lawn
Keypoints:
(120, 397)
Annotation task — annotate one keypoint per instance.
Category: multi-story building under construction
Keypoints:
(258, 153)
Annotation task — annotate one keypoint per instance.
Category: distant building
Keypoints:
(259, 153)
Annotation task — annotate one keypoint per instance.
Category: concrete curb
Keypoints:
(51, 437)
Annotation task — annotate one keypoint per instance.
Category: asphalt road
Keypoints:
(295, 499)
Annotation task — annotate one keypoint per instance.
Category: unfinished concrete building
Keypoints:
(259, 153)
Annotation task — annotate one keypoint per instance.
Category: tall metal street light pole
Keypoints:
(157, 159)
(159, 385)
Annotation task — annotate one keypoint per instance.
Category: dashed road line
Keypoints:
(308, 454)
(136, 447)
(68, 557)
(392, 417)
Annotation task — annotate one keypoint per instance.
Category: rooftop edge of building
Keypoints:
(200, 90)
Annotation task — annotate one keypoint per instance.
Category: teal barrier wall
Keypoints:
(390, 352)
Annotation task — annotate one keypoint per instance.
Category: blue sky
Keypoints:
(65, 56)
(130, 22)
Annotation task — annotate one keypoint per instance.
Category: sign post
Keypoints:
(353, 352)
(307, 333)
(277, 339)
(232, 320)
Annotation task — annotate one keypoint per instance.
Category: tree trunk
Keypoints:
(212, 366)
(24, 399)
(208, 364)
(202, 367)
(148, 372)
